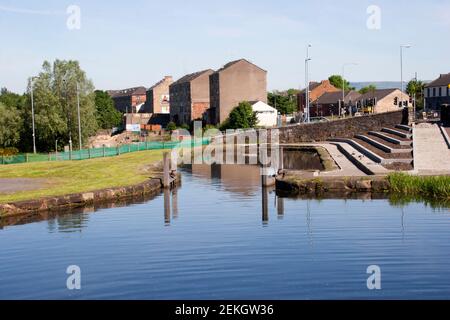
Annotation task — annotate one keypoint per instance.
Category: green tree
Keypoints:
(415, 89)
(242, 117)
(171, 126)
(107, 115)
(284, 102)
(338, 82)
(368, 88)
(55, 101)
(10, 126)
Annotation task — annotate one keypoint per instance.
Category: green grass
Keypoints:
(420, 186)
(67, 177)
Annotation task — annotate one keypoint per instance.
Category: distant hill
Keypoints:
(378, 84)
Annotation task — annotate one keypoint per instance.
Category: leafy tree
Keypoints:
(171, 126)
(241, 117)
(338, 82)
(10, 126)
(284, 102)
(107, 115)
(368, 88)
(416, 87)
(55, 102)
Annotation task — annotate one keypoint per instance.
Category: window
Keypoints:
(440, 92)
(434, 92)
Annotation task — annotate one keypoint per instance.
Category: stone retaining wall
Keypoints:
(80, 199)
(343, 128)
(292, 186)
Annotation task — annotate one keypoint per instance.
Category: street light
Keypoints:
(32, 113)
(343, 85)
(79, 120)
(401, 70)
(307, 81)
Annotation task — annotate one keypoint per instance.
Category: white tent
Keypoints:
(267, 116)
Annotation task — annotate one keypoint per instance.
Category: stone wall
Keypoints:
(343, 128)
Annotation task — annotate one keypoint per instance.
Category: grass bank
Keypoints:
(420, 186)
(67, 177)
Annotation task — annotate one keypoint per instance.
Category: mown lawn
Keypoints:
(67, 177)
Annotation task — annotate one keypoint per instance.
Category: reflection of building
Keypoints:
(128, 100)
(437, 92)
(158, 98)
(237, 81)
(240, 179)
(190, 97)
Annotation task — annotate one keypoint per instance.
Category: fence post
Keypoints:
(129, 148)
(118, 150)
(104, 151)
(3, 159)
(26, 157)
(89, 153)
(49, 156)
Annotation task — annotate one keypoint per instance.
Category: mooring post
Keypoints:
(167, 207)
(281, 161)
(265, 204)
(166, 165)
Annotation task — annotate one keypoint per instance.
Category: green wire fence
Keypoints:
(103, 152)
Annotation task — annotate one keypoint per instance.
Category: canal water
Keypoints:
(211, 239)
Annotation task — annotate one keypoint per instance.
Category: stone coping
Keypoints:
(83, 199)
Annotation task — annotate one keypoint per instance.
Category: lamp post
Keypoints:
(79, 119)
(308, 119)
(32, 114)
(343, 86)
(401, 70)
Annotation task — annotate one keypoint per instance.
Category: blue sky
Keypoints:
(129, 43)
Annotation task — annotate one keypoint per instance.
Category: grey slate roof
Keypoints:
(442, 81)
(192, 76)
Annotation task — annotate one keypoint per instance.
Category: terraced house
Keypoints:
(190, 97)
(158, 97)
(437, 92)
(128, 100)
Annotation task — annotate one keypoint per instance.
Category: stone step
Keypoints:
(397, 133)
(362, 162)
(370, 154)
(404, 127)
(382, 146)
(390, 139)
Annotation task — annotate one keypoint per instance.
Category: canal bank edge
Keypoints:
(79, 200)
(294, 186)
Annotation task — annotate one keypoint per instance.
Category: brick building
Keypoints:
(382, 100)
(237, 81)
(317, 89)
(328, 104)
(128, 100)
(158, 97)
(189, 97)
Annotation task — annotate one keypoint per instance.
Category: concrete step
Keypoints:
(404, 127)
(362, 162)
(370, 154)
(397, 133)
(382, 146)
(390, 139)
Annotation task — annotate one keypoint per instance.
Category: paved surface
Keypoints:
(431, 153)
(347, 168)
(8, 186)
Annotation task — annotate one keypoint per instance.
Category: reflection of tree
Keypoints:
(72, 222)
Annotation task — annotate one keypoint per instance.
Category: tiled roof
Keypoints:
(229, 64)
(443, 80)
(378, 94)
(335, 97)
(127, 92)
(192, 76)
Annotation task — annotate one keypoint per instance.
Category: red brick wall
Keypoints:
(198, 108)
